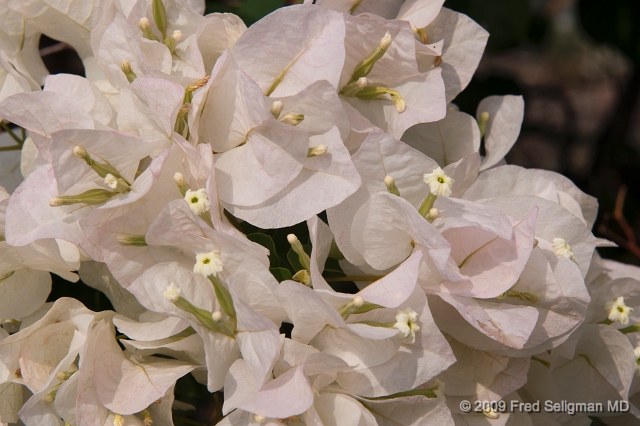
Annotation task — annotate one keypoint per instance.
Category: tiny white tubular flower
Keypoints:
(118, 420)
(208, 264)
(618, 311)
(407, 324)
(216, 316)
(362, 81)
(177, 35)
(439, 183)
(434, 213)
(198, 201)
(111, 181)
(172, 293)
(563, 249)
(292, 119)
(144, 23)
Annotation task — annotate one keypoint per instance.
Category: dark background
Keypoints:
(577, 64)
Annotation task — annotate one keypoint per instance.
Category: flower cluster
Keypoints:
(476, 280)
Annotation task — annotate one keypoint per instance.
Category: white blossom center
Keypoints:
(208, 264)
(618, 311)
(563, 249)
(198, 201)
(407, 324)
(172, 293)
(439, 183)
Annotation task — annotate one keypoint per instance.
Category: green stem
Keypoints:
(631, 329)
(7, 129)
(427, 205)
(11, 148)
(606, 322)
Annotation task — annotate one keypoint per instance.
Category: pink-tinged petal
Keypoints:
(464, 172)
(491, 263)
(127, 387)
(160, 327)
(324, 182)
(293, 48)
(509, 325)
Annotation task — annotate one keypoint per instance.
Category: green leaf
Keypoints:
(267, 242)
(281, 274)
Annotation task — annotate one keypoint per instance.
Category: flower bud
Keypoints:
(390, 183)
(374, 92)
(276, 109)
(80, 152)
(173, 40)
(145, 27)
(160, 16)
(91, 197)
(563, 249)
(216, 316)
(482, 123)
(125, 66)
(296, 246)
(292, 119)
(317, 151)
(132, 240)
(183, 186)
(366, 65)
(259, 419)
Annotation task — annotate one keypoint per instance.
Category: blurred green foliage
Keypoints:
(249, 10)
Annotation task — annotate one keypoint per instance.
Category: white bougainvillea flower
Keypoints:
(553, 221)
(293, 48)
(603, 367)
(260, 154)
(127, 385)
(24, 271)
(255, 337)
(208, 264)
(448, 140)
(299, 373)
(476, 372)
(332, 174)
(394, 98)
(515, 180)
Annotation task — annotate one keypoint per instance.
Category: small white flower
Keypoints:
(111, 181)
(407, 324)
(198, 201)
(386, 41)
(216, 316)
(618, 311)
(439, 183)
(258, 418)
(563, 249)
(172, 293)
(118, 420)
(208, 264)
